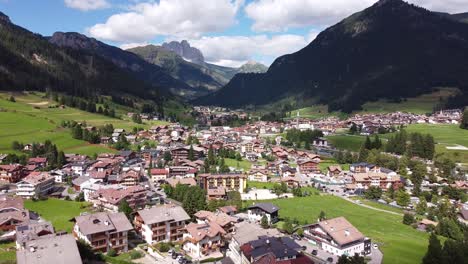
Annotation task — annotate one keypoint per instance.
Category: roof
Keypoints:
(33, 231)
(51, 249)
(11, 202)
(228, 209)
(267, 207)
(342, 231)
(159, 172)
(279, 247)
(199, 231)
(101, 222)
(187, 181)
(219, 218)
(216, 191)
(37, 177)
(163, 213)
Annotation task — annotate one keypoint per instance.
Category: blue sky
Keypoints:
(229, 32)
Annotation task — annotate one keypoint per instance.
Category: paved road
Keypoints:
(370, 207)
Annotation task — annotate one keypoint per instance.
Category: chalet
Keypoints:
(159, 175)
(258, 175)
(222, 219)
(320, 142)
(257, 211)
(12, 213)
(103, 231)
(308, 166)
(36, 184)
(216, 193)
(287, 171)
(11, 173)
(203, 239)
(110, 199)
(338, 237)
(363, 167)
(273, 250)
(162, 223)
(291, 182)
(384, 181)
(228, 209)
(38, 162)
(334, 170)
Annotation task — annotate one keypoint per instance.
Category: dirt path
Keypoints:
(370, 207)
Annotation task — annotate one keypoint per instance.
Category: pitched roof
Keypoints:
(103, 221)
(163, 213)
(199, 231)
(219, 218)
(267, 207)
(50, 249)
(342, 231)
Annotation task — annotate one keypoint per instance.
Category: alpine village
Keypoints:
(352, 148)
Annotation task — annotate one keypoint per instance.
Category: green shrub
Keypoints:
(136, 254)
(163, 247)
(111, 253)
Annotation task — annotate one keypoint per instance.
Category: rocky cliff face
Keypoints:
(184, 50)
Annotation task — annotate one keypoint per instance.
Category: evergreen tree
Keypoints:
(125, 208)
(264, 222)
(377, 143)
(191, 154)
(434, 251)
(464, 121)
(363, 154)
(322, 216)
(368, 143)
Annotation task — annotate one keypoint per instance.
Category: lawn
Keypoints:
(243, 164)
(346, 142)
(379, 205)
(7, 253)
(324, 164)
(30, 119)
(59, 212)
(400, 243)
(418, 105)
(260, 185)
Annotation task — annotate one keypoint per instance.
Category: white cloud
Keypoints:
(450, 6)
(87, 5)
(185, 18)
(133, 45)
(281, 15)
(234, 51)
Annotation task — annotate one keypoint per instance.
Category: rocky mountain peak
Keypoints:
(184, 50)
(73, 40)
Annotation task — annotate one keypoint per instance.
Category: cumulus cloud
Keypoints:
(281, 15)
(234, 51)
(185, 18)
(87, 5)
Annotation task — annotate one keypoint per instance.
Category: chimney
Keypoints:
(346, 232)
(32, 249)
(106, 223)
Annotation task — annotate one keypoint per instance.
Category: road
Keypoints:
(370, 207)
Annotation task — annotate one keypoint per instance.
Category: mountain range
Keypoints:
(188, 65)
(391, 50)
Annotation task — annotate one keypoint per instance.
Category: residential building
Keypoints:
(230, 181)
(103, 231)
(216, 193)
(58, 249)
(258, 175)
(12, 173)
(32, 231)
(338, 237)
(12, 213)
(36, 184)
(256, 212)
(384, 181)
(203, 239)
(110, 199)
(162, 223)
(228, 209)
(222, 219)
(159, 175)
(308, 166)
(273, 250)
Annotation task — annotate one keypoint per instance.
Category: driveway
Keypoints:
(322, 256)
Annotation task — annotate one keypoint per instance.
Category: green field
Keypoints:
(260, 185)
(323, 165)
(7, 253)
(418, 105)
(346, 142)
(243, 164)
(59, 212)
(379, 205)
(30, 119)
(400, 243)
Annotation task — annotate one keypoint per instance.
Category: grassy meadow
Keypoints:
(30, 119)
(400, 243)
(57, 211)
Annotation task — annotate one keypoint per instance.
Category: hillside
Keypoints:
(126, 61)
(391, 50)
(29, 62)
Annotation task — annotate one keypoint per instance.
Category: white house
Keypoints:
(338, 237)
(203, 239)
(257, 211)
(35, 184)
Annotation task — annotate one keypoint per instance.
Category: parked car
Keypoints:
(304, 248)
(314, 252)
(375, 246)
(181, 260)
(296, 236)
(170, 251)
(174, 255)
(330, 259)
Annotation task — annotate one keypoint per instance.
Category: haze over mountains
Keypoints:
(390, 50)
